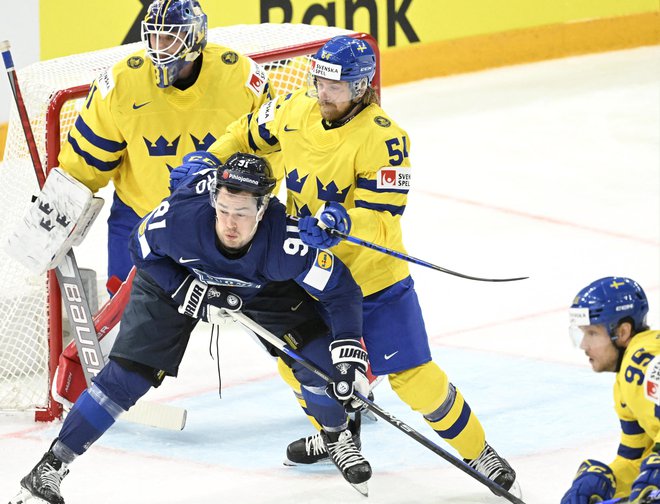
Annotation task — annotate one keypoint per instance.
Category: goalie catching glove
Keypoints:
(350, 363)
(206, 302)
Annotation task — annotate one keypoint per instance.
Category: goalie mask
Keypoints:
(346, 59)
(608, 301)
(174, 33)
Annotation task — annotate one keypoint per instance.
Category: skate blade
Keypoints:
(363, 488)
(515, 489)
(25, 496)
(290, 463)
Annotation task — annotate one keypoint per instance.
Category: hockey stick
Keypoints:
(388, 417)
(414, 260)
(73, 294)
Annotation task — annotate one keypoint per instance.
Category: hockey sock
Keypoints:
(114, 391)
(426, 389)
(327, 412)
(287, 375)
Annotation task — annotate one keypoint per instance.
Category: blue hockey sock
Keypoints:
(328, 412)
(114, 391)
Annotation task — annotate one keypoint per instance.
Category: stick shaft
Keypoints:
(388, 417)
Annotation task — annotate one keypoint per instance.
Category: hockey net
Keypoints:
(30, 306)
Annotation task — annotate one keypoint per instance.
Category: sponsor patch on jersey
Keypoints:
(319, 274)
(390, 177)
(324, 260)
(578, 317)
(266, 112)
(105, 82)
(652, 381)
(135, 62)
(325, 69)
(256, 79)
(229, 58)
(383, 122)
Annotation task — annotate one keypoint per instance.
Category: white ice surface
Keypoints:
(549, 170)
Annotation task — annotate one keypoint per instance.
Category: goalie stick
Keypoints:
(73, 294)
(371, 406)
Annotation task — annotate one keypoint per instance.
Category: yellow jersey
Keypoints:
(638, 415)
(134, 133)
(363, 165)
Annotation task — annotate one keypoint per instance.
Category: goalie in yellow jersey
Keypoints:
(347, 161)
(143, 114)
(608, 322)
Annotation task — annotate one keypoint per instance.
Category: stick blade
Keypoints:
(162, 416)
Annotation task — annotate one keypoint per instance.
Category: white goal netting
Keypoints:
(30, 327)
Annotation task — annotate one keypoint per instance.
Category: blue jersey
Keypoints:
(178, 239)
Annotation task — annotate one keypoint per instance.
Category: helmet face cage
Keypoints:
(346, 59)
(174, 33)
(608, 302)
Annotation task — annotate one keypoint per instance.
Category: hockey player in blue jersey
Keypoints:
(187, 273)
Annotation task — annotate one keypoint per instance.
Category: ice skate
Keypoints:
(348, 459)
(42, 484)
(495, 468)
(311, 449)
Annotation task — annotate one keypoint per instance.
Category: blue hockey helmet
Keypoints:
(610, 301)
(344, 58)
(174, 32)
(245, 172)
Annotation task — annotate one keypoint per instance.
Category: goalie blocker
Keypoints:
(58, 219)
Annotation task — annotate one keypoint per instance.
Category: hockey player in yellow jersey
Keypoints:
(346, 161)
(142, 115)
(608, 322)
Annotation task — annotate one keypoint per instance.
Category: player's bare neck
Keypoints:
(192, 72)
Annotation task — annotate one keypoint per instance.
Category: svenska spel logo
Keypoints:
(387, 178)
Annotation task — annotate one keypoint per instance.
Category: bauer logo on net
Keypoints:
(393, 178)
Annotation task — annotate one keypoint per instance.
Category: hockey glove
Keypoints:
(206, 302)
(648, 479)
(191, 164)
(350, 367)
(594, 480)
(314, 231)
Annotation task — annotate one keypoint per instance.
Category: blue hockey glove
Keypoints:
(593, 480)
(350, 363)
(191, 164)
(648, 479)
(206, 302)
(314, 230)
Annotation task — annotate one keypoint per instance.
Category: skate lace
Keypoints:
(51, 477)
(314, 445)
(344, 452)
(487, 463)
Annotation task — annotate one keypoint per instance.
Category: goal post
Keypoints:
(54, 91)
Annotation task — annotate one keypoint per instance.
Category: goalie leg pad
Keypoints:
(59, 218)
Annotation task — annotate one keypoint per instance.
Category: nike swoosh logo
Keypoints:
(286, 128)
(135, 106)
(184, 261)
(294, 308)
(389, 356)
